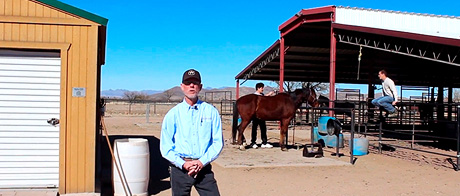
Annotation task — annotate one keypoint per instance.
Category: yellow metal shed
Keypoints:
(50, 58)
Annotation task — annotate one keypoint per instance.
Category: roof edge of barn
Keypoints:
(258, 59)
(76, 11)
(296, 19)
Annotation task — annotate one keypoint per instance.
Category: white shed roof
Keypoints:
(425, 24)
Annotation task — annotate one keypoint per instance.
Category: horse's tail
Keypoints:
(235, 122)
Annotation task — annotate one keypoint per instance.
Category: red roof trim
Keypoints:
(273, 46)
(304, 12)
(405, 35)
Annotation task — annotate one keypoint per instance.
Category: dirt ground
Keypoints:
(399, 172)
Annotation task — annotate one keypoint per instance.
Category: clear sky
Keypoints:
(150, 43)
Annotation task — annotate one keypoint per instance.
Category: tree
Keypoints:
(320, 88)
(168, 94)
(134, 96)
(456, 96)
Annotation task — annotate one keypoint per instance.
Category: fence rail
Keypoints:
(144, 107)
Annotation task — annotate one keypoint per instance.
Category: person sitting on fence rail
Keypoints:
(191, 138)
(390, 95)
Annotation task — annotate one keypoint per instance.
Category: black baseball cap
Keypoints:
(191, 75)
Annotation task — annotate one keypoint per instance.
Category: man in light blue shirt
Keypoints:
(191, 138)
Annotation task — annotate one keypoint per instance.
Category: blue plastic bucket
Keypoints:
(331, 140)
(326, 125)
(360, 146)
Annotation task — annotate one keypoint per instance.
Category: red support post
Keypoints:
(332, 72)
(281, 64)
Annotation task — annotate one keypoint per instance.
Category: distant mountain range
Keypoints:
(175, 93)
(118, 93)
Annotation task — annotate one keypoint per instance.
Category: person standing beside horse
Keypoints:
(280, 107)
(390, 95)
(258, 122)
(191, 138)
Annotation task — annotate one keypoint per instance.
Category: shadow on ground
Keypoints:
(158, 166)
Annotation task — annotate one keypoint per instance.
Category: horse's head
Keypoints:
(312, 99)
(308, 95)
(323, 101)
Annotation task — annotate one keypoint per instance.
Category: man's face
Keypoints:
(381, 75)
(191, 89)
(260, 90)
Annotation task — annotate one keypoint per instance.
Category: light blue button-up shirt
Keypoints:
(192, 132)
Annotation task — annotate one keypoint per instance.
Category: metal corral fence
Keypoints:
(440, 133)
(143, 107)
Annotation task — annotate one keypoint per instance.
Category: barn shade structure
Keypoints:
(323, 45)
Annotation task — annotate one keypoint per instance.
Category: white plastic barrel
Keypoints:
(133, 157)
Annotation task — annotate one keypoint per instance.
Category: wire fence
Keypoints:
(122, 107)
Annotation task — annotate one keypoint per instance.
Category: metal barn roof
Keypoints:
(402, 43)
(425, 24)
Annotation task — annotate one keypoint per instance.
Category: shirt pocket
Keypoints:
(206, 129)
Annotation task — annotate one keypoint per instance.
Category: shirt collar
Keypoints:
(197, 105)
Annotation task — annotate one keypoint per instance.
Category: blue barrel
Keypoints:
(326, 125)
(360, 146)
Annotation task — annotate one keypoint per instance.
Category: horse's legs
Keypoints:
(241, 128)
(235, 137)
(283, 131)
(234, 134)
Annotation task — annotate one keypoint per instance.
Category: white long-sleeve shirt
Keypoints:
(389, 88)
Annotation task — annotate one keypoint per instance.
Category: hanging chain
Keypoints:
(359, 60)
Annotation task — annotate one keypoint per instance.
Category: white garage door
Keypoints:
(29, 95)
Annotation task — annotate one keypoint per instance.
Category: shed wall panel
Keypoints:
(91, 59)
(8, 7)
(2, 31)
(31, 32)
(30, 8)
(24, 6)
(81, 62)
(8, 29)
(2, 7)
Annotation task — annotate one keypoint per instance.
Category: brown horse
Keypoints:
(280, 107)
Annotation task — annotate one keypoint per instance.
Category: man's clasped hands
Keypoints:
(193, 167)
